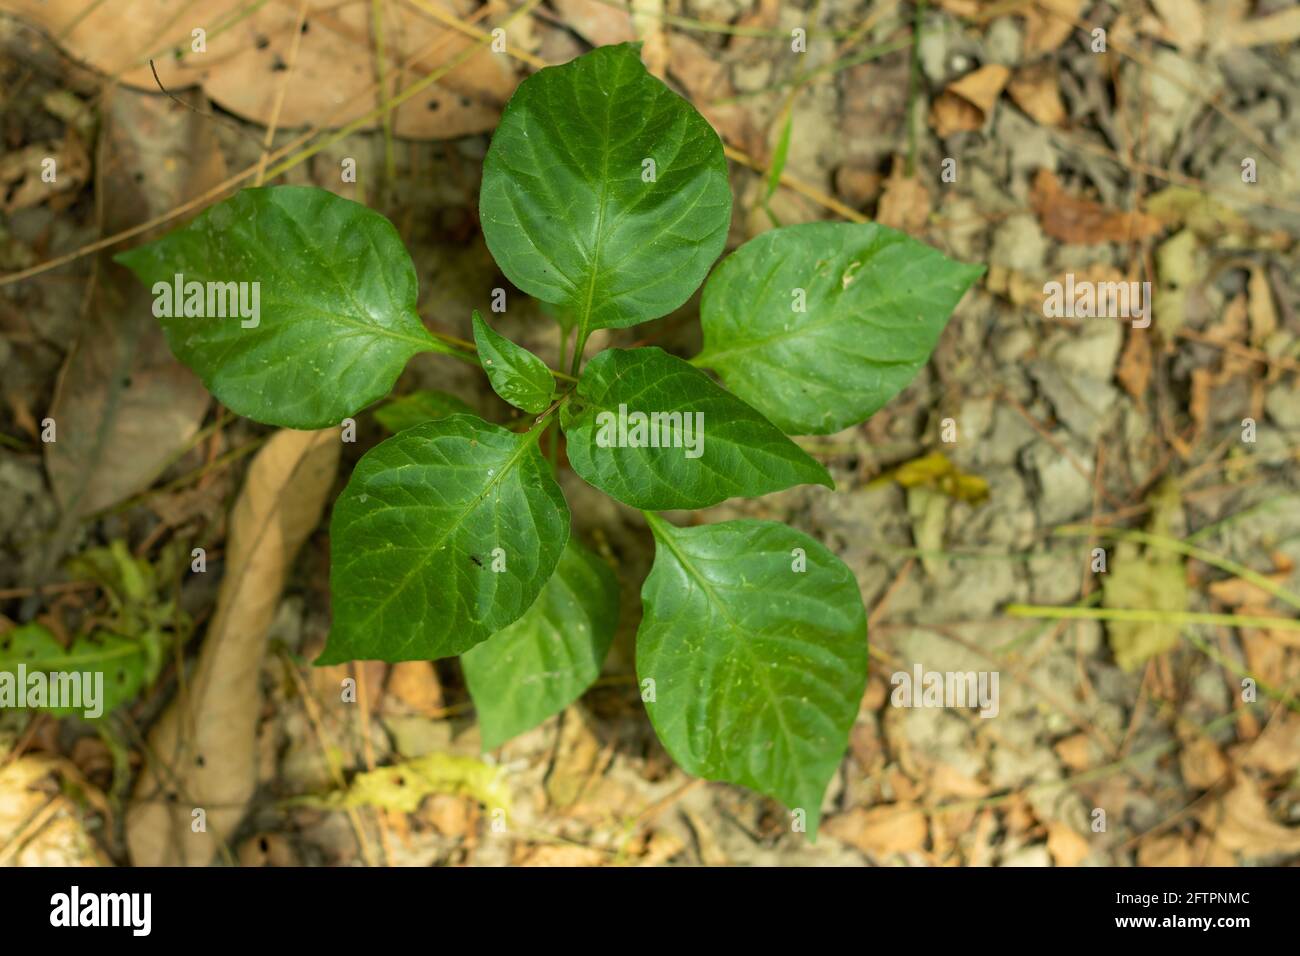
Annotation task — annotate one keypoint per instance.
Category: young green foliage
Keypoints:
(606, 196)
(516, 374)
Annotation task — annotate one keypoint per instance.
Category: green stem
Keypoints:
(1149, 616)
(914, 87)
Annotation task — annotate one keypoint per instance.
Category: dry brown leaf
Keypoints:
(1070, 219)
(207, 738)
(415, 684)
(946, 782)
(1236, 592)
(1135, 364)
(1263, 315)
(1066, 847)
(124, 405)
(1276, 751)
(706, 79)
(576, 757)
(1202, 763)
(1169, 849)
(1184, 25)
(1075, 751)
(1240, 822)
(967, 102)
(1278, 28)
(881, 831)
(242, 65)
(1048, 23)
(40, 825)
(564, 855)
(450, 815)
(599, 23)
(1035, 90)
(905, 202)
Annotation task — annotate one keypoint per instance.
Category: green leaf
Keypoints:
(758, 668)
(516, 374)
(113, 670)
(445, 534)
(545, 660)
(335, 318)
(566, 207)
(875, 303)
(422, 406)
(717, 447)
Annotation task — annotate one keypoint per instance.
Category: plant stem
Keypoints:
(1150, 616)
(914, 87)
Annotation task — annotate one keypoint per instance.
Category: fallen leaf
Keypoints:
(1202, 763)
(246, 56)
(1048, 23)
(1263, 315)
(564, 855)
(124, 406)
(1135, 364)
(1276, 29)
(1066, 847)
(1276, 751)
(1075, 751)
(967, 102)
(881, 831)
(415, 684)
(905, 202)
(707, 80)
(1083, 221)
(1184, 25)
(203, 748)
(1165, 850)
(39, 824)
(1240, 822)
(599, 23)
(1035, 90)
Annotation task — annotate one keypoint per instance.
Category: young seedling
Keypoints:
(606, 196)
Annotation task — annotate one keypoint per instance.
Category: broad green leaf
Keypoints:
(545, 660)
(307, 306)
(604, 192)
(654, 432)
(103, 670)
(758, 666)
(819, 325)
(422, 406)
(516, 374)
(445, 534)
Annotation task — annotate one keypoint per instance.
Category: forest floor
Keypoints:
(1041, 471)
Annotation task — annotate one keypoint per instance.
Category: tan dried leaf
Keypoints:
(881, 831)
(207, 738)
(1036, 91)
(1070, 219)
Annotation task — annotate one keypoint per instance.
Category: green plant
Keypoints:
(605, 195)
